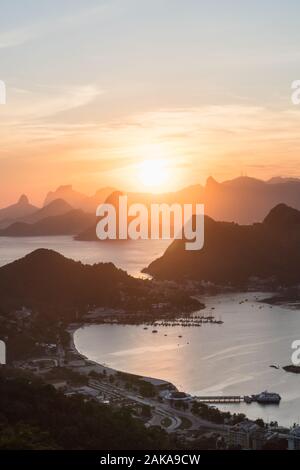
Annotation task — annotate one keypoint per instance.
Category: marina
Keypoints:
(231, 361)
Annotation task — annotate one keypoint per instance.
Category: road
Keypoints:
(160, 410)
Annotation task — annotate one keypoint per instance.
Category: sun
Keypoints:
(153, 173)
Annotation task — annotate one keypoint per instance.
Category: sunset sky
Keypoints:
(97, 90)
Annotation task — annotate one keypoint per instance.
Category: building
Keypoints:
(248, 435)
(243, 435)
(294, 439)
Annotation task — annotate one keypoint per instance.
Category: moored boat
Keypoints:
(267, 397)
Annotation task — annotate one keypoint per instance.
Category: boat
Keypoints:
(267, 397)
(154, 331)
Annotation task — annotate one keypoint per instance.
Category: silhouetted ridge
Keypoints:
(282, 216)
(247, 200)
(67, 223)
(233, 253)
(46, 279)
(57, 288)
(22, 208)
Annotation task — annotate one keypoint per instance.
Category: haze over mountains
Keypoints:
(21, 208)
(69, 223)
(246, 200)
(243, 200)
(79, 200)
(56, 218)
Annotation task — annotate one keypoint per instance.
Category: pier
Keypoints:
(220, 399)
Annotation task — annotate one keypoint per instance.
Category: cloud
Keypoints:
(40, 103)
(16, 37)
(19, 36)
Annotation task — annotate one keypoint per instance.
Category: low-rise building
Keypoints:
(249, 435)
(243, 435)
(294, 439)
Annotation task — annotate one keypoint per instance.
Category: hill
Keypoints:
(234, 253)
(89, 234)
(246, 200)
(22, 208)
(91, 203)
(188, 195)
(56, 207)
(69, 223)
(68, 194)
(79, 200)
(57, 288)
(45, 278)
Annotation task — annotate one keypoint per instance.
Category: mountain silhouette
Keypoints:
(91, 203)
(234, 253)
(54, 208)
(189, 195)
(246, 200)
(79, 200)
(68, 194)
(70, 223)
(22, 208)
(56, 287)
(45, 279)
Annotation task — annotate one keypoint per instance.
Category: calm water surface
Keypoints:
(132, 256)
(230, 359)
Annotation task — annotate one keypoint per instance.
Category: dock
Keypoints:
(220, 399)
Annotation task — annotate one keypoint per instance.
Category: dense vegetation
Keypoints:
(36, 416)
(215, 415)
(61, 288)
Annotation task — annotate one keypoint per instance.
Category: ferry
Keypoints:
(266, 397)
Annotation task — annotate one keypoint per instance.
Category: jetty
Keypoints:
(220, 399)
(264, 398)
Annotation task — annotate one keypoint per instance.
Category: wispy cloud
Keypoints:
(42, 102)
(19, 36)
(16, 37)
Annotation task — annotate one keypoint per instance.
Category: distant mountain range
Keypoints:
(243, 200)
(78, 200)
(69, 223)
(246, 200)
(57, 218)
(234, 253)
(54, 208)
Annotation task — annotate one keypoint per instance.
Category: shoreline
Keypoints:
(245, 299)
(100, 368)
